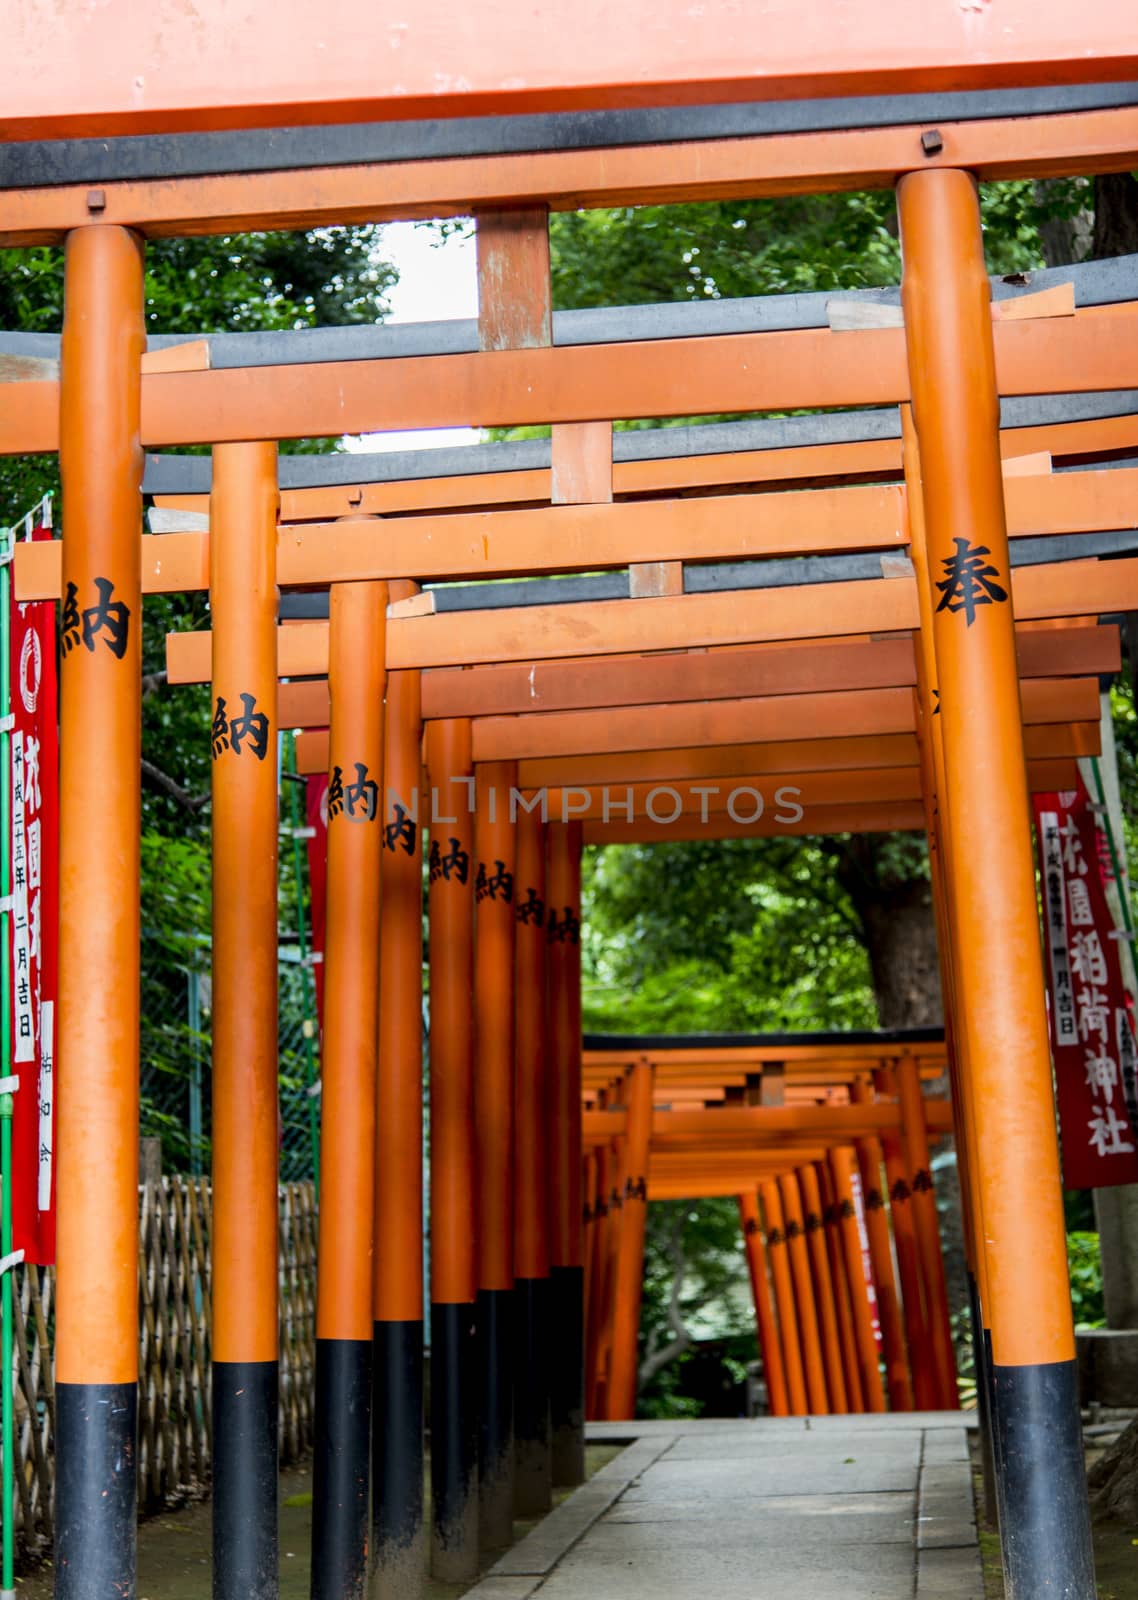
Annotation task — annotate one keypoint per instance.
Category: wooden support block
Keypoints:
(193, 356)
(1055, 302)
(648, 578)
(1032, 466)
(514, 295)
(582, 463)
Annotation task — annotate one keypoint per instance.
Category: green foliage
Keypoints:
(175, 923)
(750, 934)
(1084, 1263)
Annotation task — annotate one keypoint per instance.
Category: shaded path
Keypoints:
(839, 1508)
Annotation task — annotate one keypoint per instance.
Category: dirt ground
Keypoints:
(174, 1547)
(1116, 1548)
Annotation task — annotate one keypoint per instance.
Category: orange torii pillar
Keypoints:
(398, 1547)
(590, 1213)
(566, 1270)
(243, 601)
(869, 1157)
(808, 1327)
(842, 1168)
(923, 1201)
(96, 1327)
(997, 964)
(533, 1482)
(606, 1225)
(774, 1373)
(341, 1466)
(621, 1397)
(454, 1277)
(836, 1254)
(784, 1298)
(930, 746)
(495, 846)
(824, 1292)
(925, 1394)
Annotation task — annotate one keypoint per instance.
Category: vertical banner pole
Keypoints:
(246, 1213)
(398, 1554)
(96, 1317)
(7, 1373)
(567, 1259)
(357, 629)
(1045, 1533)
(533, 1484)
(495, 849)
(454, 1279)
(621, 1399)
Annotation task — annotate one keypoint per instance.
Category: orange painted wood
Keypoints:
(855, 159)
(806, 368)
(582, 469)
(615, 627)
(79, 76)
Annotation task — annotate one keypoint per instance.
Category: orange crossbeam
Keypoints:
(804, 369)
(746, 168)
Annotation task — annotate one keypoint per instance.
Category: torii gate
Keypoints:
(945, 360)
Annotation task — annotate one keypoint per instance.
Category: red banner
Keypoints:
(1092, 1031)
(316, 807)
(34, 921)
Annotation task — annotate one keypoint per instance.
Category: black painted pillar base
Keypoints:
(398, 1530)
(1045, 1528)
(567, 1373)
(244, 1480)
(340, 1467)
(533, 1461)
(454, 1443)
(96, 1489)
(496, 1419)
(982, 1368)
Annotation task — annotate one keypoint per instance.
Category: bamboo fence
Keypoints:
(174, 1353)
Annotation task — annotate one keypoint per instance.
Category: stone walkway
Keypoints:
(833, 1508)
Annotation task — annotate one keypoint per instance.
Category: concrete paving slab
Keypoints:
(840, 1508)
(835, 1519)
(950, 1575)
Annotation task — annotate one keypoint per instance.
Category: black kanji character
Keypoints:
(456, 862)
(922, 1182)
(69, 622)
(107, 616)
(400, 832)
(813, 1222)
(567, 930)
(774, 1237)
(969, 581)
(873, 1200)
(531, 910)
(792, 1229)
(336, 792)
(900, 1192)
(251, 728)
(636, 1189)
(363, 796)
(219, 732)
(497, 885)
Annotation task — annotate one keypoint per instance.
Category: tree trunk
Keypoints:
(1114, 1479)
(900, 935)
(1116, 215)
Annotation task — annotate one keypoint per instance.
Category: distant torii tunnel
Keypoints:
(889, 614)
